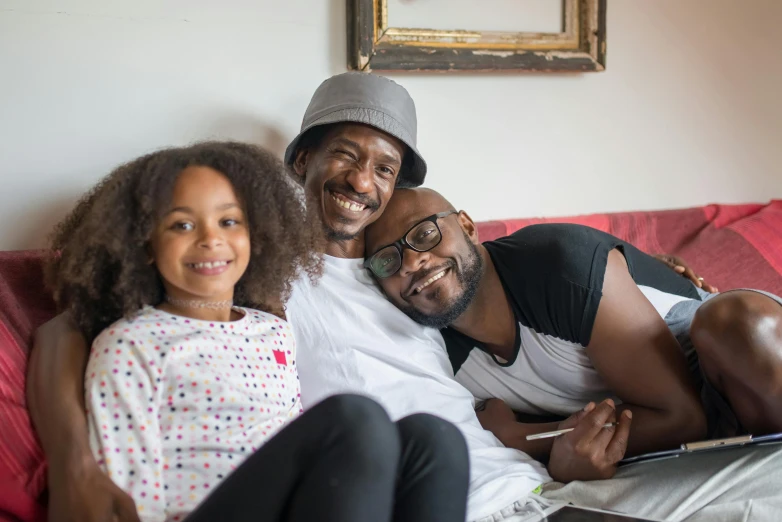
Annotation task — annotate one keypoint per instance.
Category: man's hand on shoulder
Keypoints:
(590, 451)
(86, 494)
(681, 267)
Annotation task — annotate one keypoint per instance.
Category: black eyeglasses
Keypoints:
(422, 237)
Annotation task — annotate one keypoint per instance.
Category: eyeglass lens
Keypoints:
(425, 236)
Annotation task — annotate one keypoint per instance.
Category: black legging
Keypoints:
(345, 461)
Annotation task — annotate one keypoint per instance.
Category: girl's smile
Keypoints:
(201, 246)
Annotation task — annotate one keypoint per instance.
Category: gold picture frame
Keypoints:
(374, 46)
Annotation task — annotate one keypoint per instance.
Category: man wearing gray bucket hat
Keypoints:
(357, 144)
(372, 100)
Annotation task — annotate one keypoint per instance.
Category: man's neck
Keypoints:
(346, 249)
(489, 318)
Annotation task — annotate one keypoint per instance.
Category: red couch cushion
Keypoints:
(731, 246)
(21, 461)
(24, 304)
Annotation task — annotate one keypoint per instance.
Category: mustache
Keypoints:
(422, 276)
(348, 191)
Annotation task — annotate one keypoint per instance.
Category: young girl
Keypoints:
(190, 395)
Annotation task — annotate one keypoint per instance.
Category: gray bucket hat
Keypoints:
(372, 100)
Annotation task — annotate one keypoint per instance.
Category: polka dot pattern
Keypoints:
(176, 404)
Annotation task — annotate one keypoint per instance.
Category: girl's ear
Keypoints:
(468, 225)
(150, 255)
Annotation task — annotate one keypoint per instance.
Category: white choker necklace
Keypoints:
(194, 303)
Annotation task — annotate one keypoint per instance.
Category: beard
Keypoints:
(339, 235)
(469, 277)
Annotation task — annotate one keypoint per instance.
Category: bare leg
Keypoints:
(738, 337)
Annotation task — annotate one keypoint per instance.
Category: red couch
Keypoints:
(732, 246)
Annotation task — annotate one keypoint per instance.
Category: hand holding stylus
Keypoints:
(590, 451)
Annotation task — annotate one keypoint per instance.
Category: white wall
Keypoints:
(687, 113)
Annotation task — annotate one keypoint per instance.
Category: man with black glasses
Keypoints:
(566, 321)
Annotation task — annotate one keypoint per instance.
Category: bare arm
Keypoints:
(640, 360)
(498, 418)
(55, 392)
(638, 357)
(78, 489)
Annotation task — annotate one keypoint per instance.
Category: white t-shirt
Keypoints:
(350, 339)
(176, 404)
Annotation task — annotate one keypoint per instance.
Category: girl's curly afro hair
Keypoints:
(99, 266)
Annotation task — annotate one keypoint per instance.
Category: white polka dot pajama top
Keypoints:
(175, 404)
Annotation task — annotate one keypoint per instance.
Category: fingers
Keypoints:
(672, 263)
(605, 435)
(690, 274)
(574, 419)
(698, 281)
(680, 267)
(709, 288)
(592, 423)
(615, 451)
(125, 508)
(126, 514)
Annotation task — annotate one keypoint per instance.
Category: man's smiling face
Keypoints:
(436, 286)
(351, 173)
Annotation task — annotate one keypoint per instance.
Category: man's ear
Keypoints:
(468, 225)
(300, 163)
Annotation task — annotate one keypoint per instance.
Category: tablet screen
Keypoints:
(708, 445)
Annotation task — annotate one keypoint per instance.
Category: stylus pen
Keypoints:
(557, 433)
